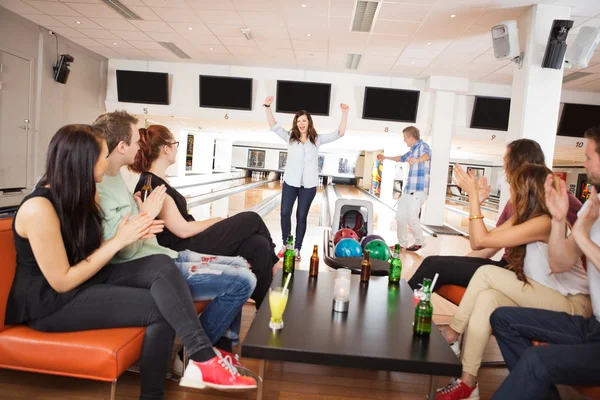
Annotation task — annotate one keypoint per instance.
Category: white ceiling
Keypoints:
(410, 38)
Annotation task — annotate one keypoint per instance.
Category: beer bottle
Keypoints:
(395, 266)
(314, 262)
(289, 257)
(147, 188)
(365, 267)
(424, 311)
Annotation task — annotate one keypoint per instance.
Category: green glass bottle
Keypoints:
(424, 311)
(395, 266)
(289, 257)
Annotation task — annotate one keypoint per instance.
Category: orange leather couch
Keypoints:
(101, 355)
(452, 293)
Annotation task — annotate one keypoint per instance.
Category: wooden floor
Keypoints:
(289, 381)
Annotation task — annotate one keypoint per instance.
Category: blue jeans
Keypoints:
(288, 198)
(571, 359)
(227, 282)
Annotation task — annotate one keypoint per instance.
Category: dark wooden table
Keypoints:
(376, 332)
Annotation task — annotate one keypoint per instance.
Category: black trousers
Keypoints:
(148, 292)
(244, 234)
(452, 270)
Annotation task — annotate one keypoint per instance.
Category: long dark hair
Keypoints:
(72, 156)
(520, 152)
(152, 139)
(295, 132)
(529, 201)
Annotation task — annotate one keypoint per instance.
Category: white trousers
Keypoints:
(407, 216)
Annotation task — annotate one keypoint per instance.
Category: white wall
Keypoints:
(53, 104)
(346, 88)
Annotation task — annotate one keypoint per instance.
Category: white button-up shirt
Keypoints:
(303, 158)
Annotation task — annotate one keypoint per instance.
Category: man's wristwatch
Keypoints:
(266, 105)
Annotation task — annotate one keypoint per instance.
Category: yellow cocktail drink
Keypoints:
(277, 301)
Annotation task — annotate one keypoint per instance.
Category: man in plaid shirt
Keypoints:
(416, 188)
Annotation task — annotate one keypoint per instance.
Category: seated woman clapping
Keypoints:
(528, 280)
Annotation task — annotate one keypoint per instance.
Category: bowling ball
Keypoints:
(344, 233)
(348, 248)
(370, 238)
(379, 250)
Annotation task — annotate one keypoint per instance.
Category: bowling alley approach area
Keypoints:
(299, 199)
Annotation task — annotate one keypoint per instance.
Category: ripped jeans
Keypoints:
(227, 282)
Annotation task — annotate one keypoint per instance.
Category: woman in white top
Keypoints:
(528, 280)
(301, 172)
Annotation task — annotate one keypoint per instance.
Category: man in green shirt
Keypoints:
(226, 281)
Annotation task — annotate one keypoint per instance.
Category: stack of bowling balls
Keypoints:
(347, 244)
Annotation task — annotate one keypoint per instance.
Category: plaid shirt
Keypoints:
(418, 174)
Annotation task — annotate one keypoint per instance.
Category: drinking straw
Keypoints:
(435, 278)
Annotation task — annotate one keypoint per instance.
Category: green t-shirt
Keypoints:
(115, 202)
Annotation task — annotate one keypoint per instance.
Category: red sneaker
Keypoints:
(234, 360)
(458, 391)
(216, 373)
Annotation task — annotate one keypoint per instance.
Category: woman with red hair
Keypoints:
(244, 234)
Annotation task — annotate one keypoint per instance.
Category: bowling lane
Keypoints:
(198, 190)
(462, 221)
(236, 203)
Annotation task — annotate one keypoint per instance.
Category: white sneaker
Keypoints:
(298, 257)
(178, 366)
(456, 348)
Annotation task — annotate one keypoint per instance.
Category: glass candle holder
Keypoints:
(341, 295)
(343, 273)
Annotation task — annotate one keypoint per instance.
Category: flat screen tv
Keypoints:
(390, 104)
(310, 96)
(143, 87)
(225, 92)
(578, 118)
(490, 113)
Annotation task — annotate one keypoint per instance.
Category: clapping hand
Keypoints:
(557, 200)
(484, 189)
(586, 219)
(131, 230)
(154, 202)
(467, 181)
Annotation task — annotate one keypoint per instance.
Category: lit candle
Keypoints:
(341, 290)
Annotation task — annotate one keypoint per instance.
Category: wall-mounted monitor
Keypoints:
(225, 92)
(294, 96)
(390, 104)
(578, 118)
(143, 87)
(490, 113)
